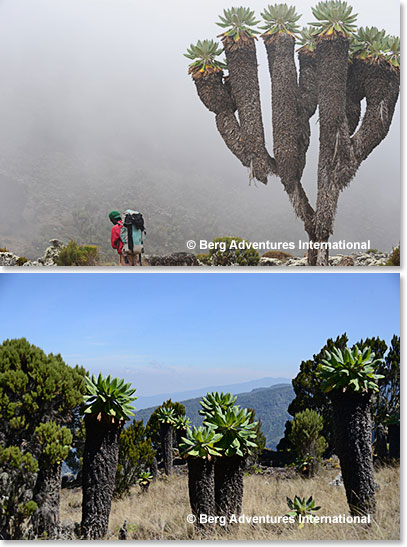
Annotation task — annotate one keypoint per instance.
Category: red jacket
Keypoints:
(117, 243)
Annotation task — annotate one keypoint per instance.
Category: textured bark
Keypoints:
(201, 486)
(381, 443)
(229, 486)
(167, 442)
(100, 459)
(289, 142)
(394, 441)
(47, 494)
(216, 96)
(353, 445)
(307, 101)
(336, 157)
(154, 468)
(242, 64)
(354, 94)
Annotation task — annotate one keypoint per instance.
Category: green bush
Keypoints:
(3, 250)
(21, 260)
(78, 255)
(307, 440)
(280, 255)
(136, 455)
(205, 258)
(233, 250)
(394, 258)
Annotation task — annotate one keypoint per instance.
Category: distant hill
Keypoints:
(269, 403)
(156, 400)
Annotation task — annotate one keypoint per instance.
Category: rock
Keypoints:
(338, 481)
(50, 255)
(265, 261)
(346, 261)
(174, 259)
(8, 259)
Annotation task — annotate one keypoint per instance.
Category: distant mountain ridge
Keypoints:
(270, 404)
(156, 400)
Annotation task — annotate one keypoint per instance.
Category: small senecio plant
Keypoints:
(204, 55)
(200, 443)
(352, 370)
(108, 396)
(280, 19)
(299, 509)
(240, 22)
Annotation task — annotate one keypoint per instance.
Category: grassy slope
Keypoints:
(270, 405)
(161, 513)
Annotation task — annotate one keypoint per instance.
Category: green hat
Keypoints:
(115, 215)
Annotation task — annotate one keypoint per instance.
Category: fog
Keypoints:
(90, 88)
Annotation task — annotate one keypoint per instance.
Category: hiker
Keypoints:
(127, 236)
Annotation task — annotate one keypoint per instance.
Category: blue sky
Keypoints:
(170, 332)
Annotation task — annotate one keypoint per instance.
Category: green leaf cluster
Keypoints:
(307, 39)
(111, 397)
(153, 424)
(203, 54)
(238, 431)
(55, 440)
(215, 400)
(307, 440)
(239, 21)
(300, 507)
(181, 422)
(200, 442)
(280, 19)
(352, 370)
(334, 16)
(166, 415)
(374, 45)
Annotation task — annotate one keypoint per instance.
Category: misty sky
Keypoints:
(108, 78)
(175, 332)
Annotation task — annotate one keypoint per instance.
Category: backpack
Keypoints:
(131, 233)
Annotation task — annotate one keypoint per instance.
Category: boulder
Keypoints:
(174, 259)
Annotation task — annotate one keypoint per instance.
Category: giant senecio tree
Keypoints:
(108, 407)
(349, 379)
(339, 66)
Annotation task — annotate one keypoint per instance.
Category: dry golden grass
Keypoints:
(162, 512)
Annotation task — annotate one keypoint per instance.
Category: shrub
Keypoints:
(307, 440)
(300, 509)
(21, 260)
(136, 454)
(394, 258)
(205, 258)
(78, 255)
(280, 255)
(3, 250)
(233, 250)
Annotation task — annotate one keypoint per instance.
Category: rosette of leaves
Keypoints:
(300, 507)
(333, 17)
(352, 370)
(280, 19)
(200, 442)
(240, 22)
(166, 416)
(393, 57)
(204, 55)
(215, 400)
(144, 480)
(111, 397)
(307, 40)
(238, 433)
(182, 422)
(370, 45)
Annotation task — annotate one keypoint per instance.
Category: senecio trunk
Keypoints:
(229, 486)
(167, 442)
(201, 486)
(100, 459)
(353, 444)
(47, 494)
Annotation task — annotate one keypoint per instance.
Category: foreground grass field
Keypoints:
(162, 512)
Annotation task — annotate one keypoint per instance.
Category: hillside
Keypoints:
(269, 403)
